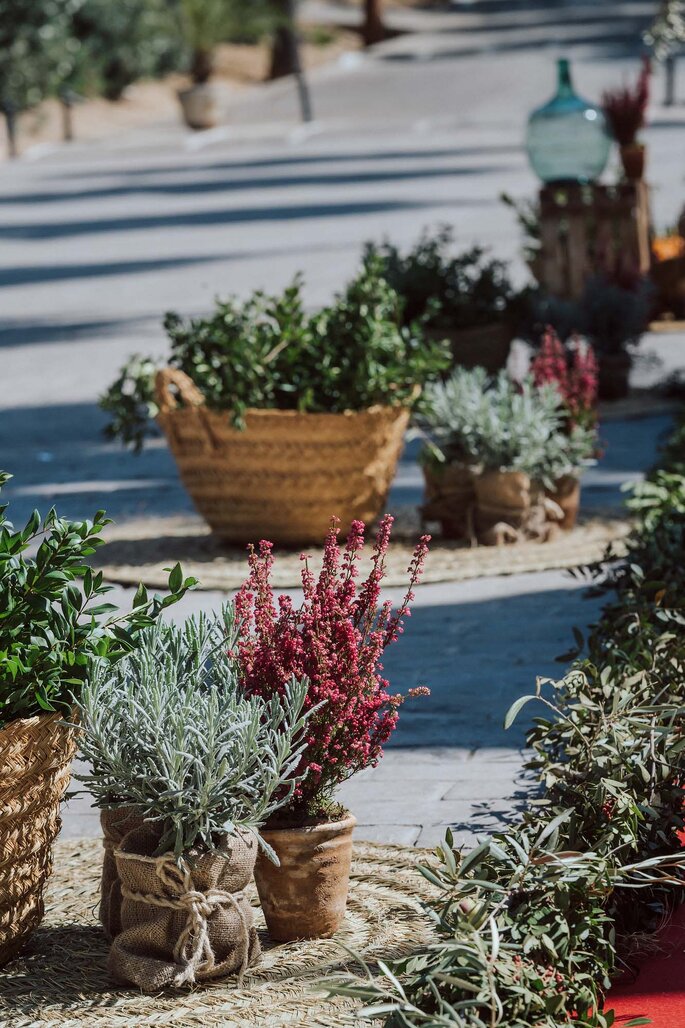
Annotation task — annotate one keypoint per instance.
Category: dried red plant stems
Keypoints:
(625, 108)
(336, 638)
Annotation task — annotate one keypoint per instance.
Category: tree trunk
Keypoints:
(283, 51)
(669, 68)
(10, 112)
(202, 66)
(285, 55)
(66, 99)
(373, 30)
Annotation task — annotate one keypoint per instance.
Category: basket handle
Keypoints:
(187, 390)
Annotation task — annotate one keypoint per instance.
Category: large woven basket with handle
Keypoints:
(284, 475)
(35, 767)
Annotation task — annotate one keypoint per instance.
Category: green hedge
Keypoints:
(532, 924)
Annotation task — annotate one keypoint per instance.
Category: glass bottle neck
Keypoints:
(564, 84)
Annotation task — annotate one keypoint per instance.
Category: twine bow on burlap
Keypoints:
(193, 948)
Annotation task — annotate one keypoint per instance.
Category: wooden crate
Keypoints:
(585, 230)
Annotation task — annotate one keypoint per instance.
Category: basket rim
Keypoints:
(34, 720)
(275, 412)
(169, 405)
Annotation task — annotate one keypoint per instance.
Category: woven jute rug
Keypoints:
(61, 979)
(139, 551)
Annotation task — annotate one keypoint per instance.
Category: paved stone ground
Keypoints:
(97, 240)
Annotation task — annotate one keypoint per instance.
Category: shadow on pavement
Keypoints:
(230, 216)
(227, 185)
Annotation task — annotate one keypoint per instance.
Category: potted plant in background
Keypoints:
(611, 314)
(52, 623)
(573, 372)
(625, 111)
(447, 420)
(335, 638)
(171, 737)
(466, 298)
(512, 438)
(204, 25)
(278, 418)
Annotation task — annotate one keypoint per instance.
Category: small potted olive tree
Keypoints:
(278, 418)
(466, 298)
(204, 25)
(192, 767)
(335, 638)
(53, 622)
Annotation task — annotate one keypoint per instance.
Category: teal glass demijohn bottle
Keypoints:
(567, 139)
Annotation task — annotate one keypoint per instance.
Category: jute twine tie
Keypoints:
(193, 949)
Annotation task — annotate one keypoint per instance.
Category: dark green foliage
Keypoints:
(530, 925)
(36, 50)
(93, 46)
(609, 315)
(126, 40)
(269, 353)
(52, 617)
(448, 292)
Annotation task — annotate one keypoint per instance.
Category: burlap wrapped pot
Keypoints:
(502, 497)
(449, 498)
(566, 494)
(35, 768)
(186, 923)
(115, 825)
(285, 474)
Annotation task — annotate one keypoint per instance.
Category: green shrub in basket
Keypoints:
(267, 352)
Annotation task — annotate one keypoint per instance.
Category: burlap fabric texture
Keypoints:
(183, 923)
(115, 825)
(511, 508)
(449, 498)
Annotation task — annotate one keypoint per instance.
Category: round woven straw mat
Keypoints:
(61, 978)
(139, 551)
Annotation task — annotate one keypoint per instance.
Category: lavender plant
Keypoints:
(502, 425)
(170, 733)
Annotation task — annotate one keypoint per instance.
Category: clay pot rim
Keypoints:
(349, 821)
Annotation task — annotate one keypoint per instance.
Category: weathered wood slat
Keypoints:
(589, 229)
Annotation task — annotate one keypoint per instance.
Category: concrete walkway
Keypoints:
(96, 241)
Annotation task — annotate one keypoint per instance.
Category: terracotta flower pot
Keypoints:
(567, 495)
(633, 161)
(306, 897)
(199, 107)
(614, 375)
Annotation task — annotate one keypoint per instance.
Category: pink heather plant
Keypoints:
(335, 638)
(574, 372)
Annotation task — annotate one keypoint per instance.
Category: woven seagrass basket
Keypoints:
(284, 475)
(35, 767)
